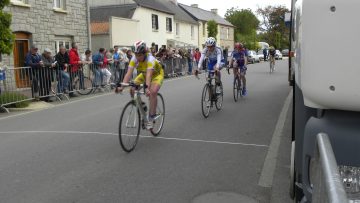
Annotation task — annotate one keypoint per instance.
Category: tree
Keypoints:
(6, 35)
(273, 26)
(244, 20)
(212, 28)
(246, 24)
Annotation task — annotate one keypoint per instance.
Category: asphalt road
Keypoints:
(71, 152)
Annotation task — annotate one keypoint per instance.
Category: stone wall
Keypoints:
(46, 24)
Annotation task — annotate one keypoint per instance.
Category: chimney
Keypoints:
(214, 10)
(195, 5)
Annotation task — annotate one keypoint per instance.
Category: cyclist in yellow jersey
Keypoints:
(149, 71)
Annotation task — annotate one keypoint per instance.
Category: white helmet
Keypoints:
(210, 41)
(140, 47)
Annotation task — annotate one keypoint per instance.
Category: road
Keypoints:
(71, 152)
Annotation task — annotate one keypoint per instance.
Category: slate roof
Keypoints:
(102, 13)
(204, 15)
(179, 13)
(154, 4)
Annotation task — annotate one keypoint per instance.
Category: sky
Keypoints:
(223, 5)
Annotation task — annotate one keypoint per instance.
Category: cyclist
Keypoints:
(238, 61)
(149, 71)
(272, 55)
(215, 58)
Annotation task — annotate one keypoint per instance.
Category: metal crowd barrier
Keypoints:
(327, 185)
(25, 83)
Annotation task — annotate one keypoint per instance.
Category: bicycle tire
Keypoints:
(133, 114)
(236, 89)
(219, 97)
(160, 116)
(205, 101)
(87, 89)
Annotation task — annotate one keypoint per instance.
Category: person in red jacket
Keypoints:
(197, 56)
(75, 68)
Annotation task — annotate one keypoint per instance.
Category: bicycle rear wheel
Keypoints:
(129, 127)
(160, 116)
(205, 101)
(219, 96)
(271, 67)
(236, 89)
(87, 87)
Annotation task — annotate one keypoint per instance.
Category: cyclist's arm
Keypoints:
(218, 56)
(130, 71)
(201, 60)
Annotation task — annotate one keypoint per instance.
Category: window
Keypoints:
(64, 42)
(168, 24)
(22, 3)
(59, 4)
(227, 33)
(204, 29)
(192, 32)
(177, 29)
(155, 22)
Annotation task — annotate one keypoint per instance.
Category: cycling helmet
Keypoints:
(210, 41)
(140, 47)
(238, 45)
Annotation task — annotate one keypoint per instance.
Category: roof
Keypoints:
(154, 4)
(99, 28)
(179, 13)
(204, 15)
(103, 13)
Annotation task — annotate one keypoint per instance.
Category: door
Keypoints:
(21, 47)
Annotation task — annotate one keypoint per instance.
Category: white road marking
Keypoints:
(267, 173)
(142, 136)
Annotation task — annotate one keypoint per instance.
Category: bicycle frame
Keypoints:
(137, 98)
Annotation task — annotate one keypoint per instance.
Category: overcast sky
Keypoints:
(223, 5)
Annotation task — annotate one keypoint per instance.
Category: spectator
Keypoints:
(190, 60)
(123, 61)
(116, 58)
(265, 54)
(197, 56)
(33, 59)
(101, 68)
(75, 69)
(46, 74)
(62, 58)
(225, 54)
(87, 62)
(129, 56)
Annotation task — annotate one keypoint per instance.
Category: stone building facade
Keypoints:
(48, 24)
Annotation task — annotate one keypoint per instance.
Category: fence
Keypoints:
(327, 184)
(22, 84)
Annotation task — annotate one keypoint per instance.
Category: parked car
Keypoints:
(260, 54)
(253, 57)
(285, 52)
(278, 55)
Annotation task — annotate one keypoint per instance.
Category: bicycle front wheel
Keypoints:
(219, 96)
(206, 101)
(236, 89)
(84, 89)
(160, 116)
(129, 127)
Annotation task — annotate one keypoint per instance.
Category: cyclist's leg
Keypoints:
(243, 79)
(156, 83)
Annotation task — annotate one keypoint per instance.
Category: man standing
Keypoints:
(75, 70)
(33, 59)
(62, 59)
(46, 74)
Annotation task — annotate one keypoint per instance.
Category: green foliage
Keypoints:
(212, 28)
(6, 36)
(273, 26)
(244, 20)
(8, 97)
